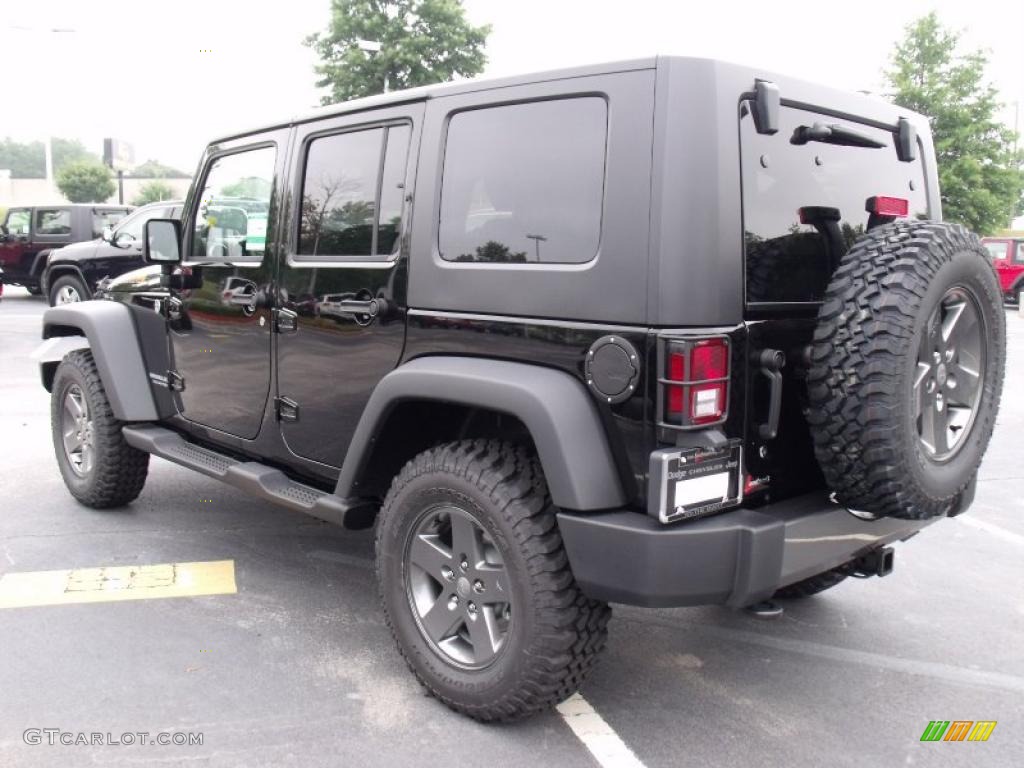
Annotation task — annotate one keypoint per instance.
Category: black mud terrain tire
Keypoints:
(550, 634)
(813, 585)
(99, 468)
(907, 369)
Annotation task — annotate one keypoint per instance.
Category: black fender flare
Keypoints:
(553, 405)
(39, 263)
(114, 342)
(53, 271)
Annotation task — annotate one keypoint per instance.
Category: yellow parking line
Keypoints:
(123, 582)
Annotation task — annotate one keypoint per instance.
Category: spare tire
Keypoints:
(907, 369)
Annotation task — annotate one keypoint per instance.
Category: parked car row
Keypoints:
(65, 252)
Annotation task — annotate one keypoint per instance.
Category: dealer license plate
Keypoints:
(700, 481)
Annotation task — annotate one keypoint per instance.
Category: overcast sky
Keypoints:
(169, 76)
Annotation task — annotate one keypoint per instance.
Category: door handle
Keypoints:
(286, 321)
(371, 307)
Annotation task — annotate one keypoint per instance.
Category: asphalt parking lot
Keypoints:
(296, 666)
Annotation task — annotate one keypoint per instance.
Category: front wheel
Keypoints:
(99, 468)
(67, 289)
(476, 586)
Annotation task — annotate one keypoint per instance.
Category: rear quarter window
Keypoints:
(525, 182)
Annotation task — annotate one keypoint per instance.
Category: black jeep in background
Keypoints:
(72, 273)
(664, 332)
(29, 234)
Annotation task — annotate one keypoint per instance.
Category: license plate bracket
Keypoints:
(694, 482)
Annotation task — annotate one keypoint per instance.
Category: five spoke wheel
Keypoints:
(949, 378)
(77, 431)
(457, 587)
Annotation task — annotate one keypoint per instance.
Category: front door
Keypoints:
(342, 280)
(220, 332)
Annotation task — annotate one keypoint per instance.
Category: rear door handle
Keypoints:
(371, 307)
(771, 363)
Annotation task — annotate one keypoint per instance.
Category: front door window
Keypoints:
(231, 222)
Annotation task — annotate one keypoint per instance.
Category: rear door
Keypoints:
(343, 276)
(804, 204)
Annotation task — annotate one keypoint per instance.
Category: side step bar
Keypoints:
(250, 476)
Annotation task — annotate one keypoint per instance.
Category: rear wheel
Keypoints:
(99, 468)
(67, 289)
(906, 369)
(476, 586)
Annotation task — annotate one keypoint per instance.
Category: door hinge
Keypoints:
(287, 409)
(175, 381)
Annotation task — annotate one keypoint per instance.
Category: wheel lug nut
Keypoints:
(453, 602)
(931, 386)
(471, 608)
(464, 565)
(936, 358)
(447, 572)
(949, 355)
(478, 586)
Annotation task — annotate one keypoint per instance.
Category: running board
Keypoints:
(250, 476)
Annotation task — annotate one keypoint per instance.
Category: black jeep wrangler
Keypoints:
(666, 332)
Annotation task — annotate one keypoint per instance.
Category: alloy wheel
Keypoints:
(68, 294)
(458, 587)
(77, 431)
(950, 373)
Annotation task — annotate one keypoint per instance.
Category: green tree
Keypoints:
(85, 182)
(28, 160)
(979, 175)
(421, 42)
(250, 186)
(151, 169)
(153, 192)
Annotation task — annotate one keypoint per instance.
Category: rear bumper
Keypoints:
(735, 558)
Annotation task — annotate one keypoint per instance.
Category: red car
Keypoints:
(1008, 258)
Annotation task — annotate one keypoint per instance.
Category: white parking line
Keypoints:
(597, 736)
(998, 531)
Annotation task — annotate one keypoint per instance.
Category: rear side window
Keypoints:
(352, 194)
(804, 204)
(1018, 252)
(525, 182)
(53, 221)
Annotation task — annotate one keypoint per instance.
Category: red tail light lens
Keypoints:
(696, 382)
(710, 360)
(888, 206)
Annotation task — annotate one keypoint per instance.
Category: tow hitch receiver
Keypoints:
(877, 562)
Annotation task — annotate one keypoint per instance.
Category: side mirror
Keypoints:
(106, 234)
(123, 239)
(162, 239)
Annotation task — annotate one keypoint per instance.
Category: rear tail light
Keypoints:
(892, 207)
(695, 383)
